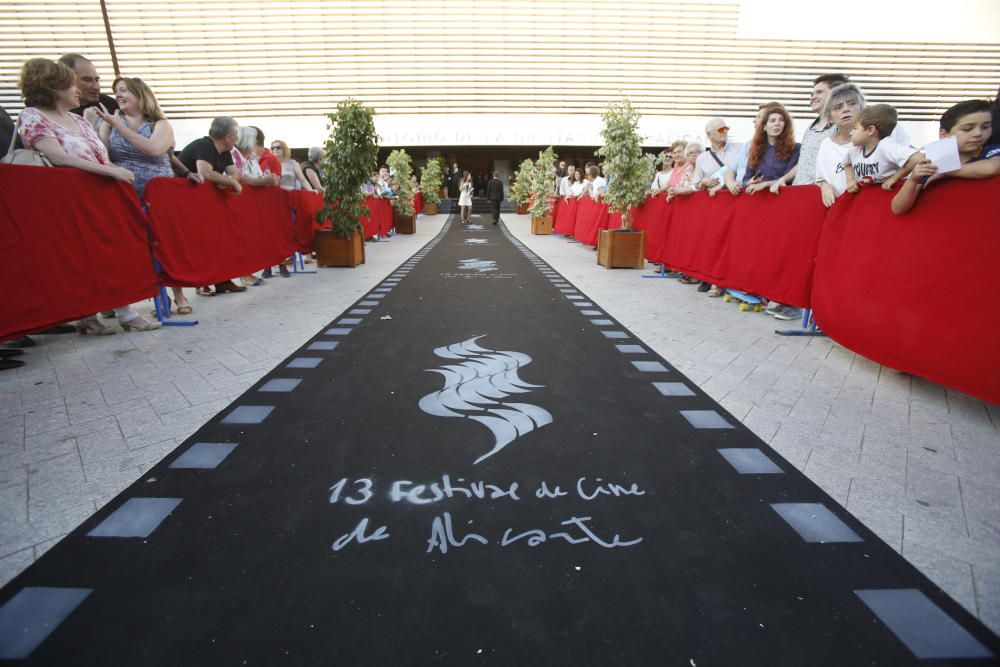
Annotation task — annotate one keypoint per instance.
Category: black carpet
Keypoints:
(476, 472)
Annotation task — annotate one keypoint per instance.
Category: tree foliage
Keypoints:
(401, 170)
(352, 154)
(520, 189)
(543, 179)
(630, 169)
(430, 182)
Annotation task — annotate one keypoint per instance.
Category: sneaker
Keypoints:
(715, 291)
(704, 286)
(266, 273)
(771, 307)
(284, 271)
(787, 313)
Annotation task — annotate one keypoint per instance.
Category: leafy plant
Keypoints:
(430, 182)
(630, 170)
(401, 169)
(543, 180)
(520, 189)
(352, 153)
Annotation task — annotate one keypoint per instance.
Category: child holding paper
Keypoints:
(970, 123)
(874, 156)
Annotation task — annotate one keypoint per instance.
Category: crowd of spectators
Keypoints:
(849, 145)
(127, 137)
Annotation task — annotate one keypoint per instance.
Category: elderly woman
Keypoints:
(842, 106)
(67, 140)
(140, 138)
(292, 177)
(310, 168)
(245, 154)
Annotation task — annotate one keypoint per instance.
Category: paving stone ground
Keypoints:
(916, 462)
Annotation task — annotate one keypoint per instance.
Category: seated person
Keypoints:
(875, 157)
(971, 123)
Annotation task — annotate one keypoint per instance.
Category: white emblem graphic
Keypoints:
(476, 241)
(476, 387)
(476, 264)
(474, 228)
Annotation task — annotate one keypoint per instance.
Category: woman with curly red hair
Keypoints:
(773, 151)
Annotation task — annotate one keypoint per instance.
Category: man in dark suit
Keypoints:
(456, 181)
(494, 192)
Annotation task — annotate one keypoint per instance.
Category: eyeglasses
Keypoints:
(276, 147)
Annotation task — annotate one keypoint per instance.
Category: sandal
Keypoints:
(184, 308)
(204, 291)
(94, 327)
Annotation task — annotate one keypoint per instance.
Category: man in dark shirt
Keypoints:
(211, 157)
(494, 192)
(455, 182)
(89, 83)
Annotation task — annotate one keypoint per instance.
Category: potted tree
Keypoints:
(352, 153)
(401, 169)
(543, 178)
(630, 174)
(430, 186)
(520, 189)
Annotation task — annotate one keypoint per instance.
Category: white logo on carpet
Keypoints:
(472, 385)
(476, 264)
(476, 241)
(474, 228)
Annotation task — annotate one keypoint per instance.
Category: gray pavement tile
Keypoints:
(953, 575)
(11, 565)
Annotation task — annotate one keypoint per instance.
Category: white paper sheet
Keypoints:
(944, 154)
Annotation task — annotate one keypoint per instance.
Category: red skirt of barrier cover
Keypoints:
(206, 235)
(587, 218)
(913, 291)
(565, 217)
(71, 244)
(307, 205)
(418, 203)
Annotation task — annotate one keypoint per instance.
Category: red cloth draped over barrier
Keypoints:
(418, 203)
(306, 204)
(370, 223)
(385, 218)
(763, 244)
(912, 291)
(564, 221)
(587, 218)
(71, 244)
(206, 235)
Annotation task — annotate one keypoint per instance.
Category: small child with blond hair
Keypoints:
(875, 158)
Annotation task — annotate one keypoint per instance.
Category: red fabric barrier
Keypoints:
(565, 220)
(912, 291)
(205, 235)
(71, 244)
(763, 244)
(385, 216)
(370, 223)
(418, 203)
(306, 204)
(587, 217)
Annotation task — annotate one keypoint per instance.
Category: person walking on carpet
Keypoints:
(494, 192)
(465, 198)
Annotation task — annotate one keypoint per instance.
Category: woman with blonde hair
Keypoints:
(465, 197)
(140, 138)
(292, 177)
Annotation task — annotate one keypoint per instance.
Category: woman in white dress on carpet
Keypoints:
(465, 197)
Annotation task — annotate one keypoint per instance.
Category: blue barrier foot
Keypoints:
(808, 327)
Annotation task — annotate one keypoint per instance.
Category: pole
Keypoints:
(111, 40)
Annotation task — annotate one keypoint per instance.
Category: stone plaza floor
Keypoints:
(919, 464)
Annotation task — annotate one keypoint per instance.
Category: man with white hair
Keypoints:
(710, 167)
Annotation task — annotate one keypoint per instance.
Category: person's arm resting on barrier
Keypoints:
(222, 181)
(60, 158)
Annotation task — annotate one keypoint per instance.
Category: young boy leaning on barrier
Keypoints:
(876, 158)
(971, 123)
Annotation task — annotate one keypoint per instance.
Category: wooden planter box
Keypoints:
(621, 249)
(334, 250)
(430, 209)
(541, 225)
(522, 209)
(405, 224)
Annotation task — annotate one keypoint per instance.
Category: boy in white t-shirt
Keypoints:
(875, 157)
